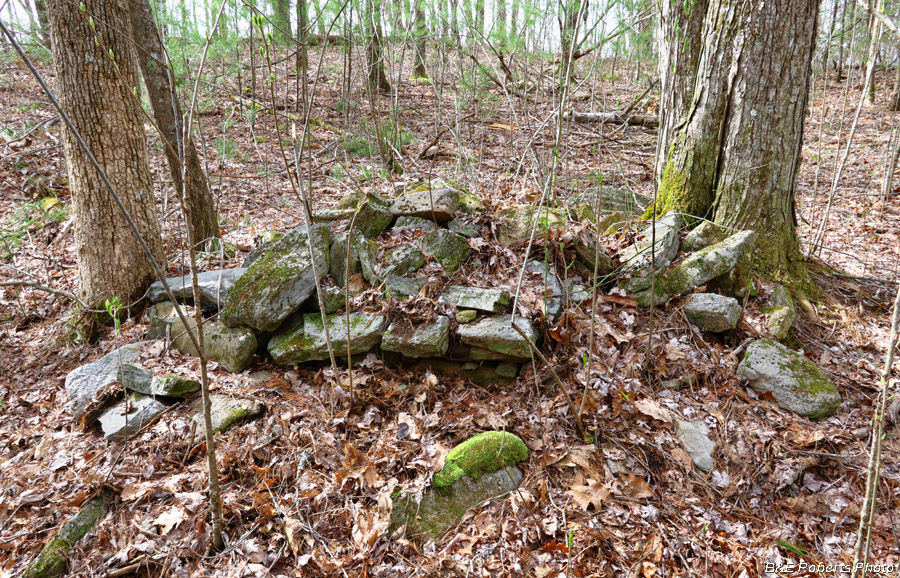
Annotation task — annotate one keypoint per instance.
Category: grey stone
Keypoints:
(333, 299)
(702, 236)
(781, 297)
(466, 316)
(490, 300)
(362, 258)
(226, 411)
(276, 284)
(555, 296)
(415, 224)
(442, 508)
(644, 260)
(588, 251)
(697, 269)
(464, 228)
(306, 340)
(694, 436)
(497, 334)
(266, 241)
(173, 386)
(402, 260)
(508, 369)
(374, 216)
(447, 248)
(420, 340)
(712, 312)
(82, 383)
(482, 354)
(135, 377)
(606, 200)
(129, 416)
(213, 285)
(796, 383)
(515, 223)
(330, 215)
(351, 200)
(161, 317)
(780, 320)
(438, 204)
(403, 286)
(232, 347)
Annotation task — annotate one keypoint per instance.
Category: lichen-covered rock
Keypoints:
(82, 383)
(374, 216)
(161, 317)
(213, 285)
(362, 258)
(694, 436)
(481, 454)
(351, 200)
(402, 260)
(332, 298)
(464, 228)
(438, 204)
(232, 347)
(129, 415)
(306, 340)
(590, 252)
(779, 321)
(514, 223)
(466, 316)
(419, 340)
(447, 248)
(415, 224)
(266, 240)
(596, 202)
(700, 267)
(226, 411)
(277, 283)
(442, 508)
(555, 298)
(712, 312)
(644, 260)
(497, 334)
(399, 287)
(463, 297)
(796, 383)
(702, 236)
(329, 215)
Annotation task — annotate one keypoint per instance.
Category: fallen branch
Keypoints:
(44, 288)
(646, 120)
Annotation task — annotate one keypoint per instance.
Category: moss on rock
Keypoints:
(482, 454)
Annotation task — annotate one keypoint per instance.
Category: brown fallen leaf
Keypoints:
(591, 494)
(651, 408)
(170, 519)
(635, 486)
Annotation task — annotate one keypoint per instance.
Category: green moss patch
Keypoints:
(482, 454)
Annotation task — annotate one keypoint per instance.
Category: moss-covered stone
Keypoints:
(402, 260)
(232, 347)
(438, 204)
(447, 248)
(481, 454)
(373, 216)
(306, 340)
(464, 297)
(514, 223)
(362, 257)
(418, 340)
(653, 250)
(226, 411)
(497, 334)
(466, 316)
(702, 236)
(596, 202)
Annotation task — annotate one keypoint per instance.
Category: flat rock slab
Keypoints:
(226, 411)
(82, 383)
(306, 340)
(442, 508)
(415, 224)
(515, 223)
(554, 298)
(590, 253)
(489, 300)
(137, 378)
(419, 340)
(232, 347)
(797, 384)
(279, 281)
(214, 287)
(596, 202)
(694, 436)
(374, 216)
(129, 416)
(712, 312)
(497, 334)
(402, 260)
(702, 236)
(403, 286)
(447, 248)
(699, 268)
(645, 260)
(161, 315)
(438, 204)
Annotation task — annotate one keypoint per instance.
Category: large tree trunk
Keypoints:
(97, 95)
(374, 52)
(419, 70)
(734, 155)
(281, 18)
(168, 115)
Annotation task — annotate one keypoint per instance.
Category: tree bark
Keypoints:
(419, 70)
(168, 115)
(736, 153)
(97, 94)
(374, 53)
(41, 7)
(281, 18)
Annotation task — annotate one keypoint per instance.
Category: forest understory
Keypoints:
(301, 485)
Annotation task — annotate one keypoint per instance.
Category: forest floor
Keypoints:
(301, 485)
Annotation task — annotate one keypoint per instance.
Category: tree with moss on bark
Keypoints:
(735, 78)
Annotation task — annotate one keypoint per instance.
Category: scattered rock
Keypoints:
(447, 248)
(232, 347)
(161, 317)
(514, 223)
(415, 224)
(277, 283)
(702, 236)
(129, 415)
(421, 340)
(214, 286)
(490, 300)
(699, 268)
(438, 204)
(694, 436)
(306, 341)
(481, 454)
(225, 411)
(464, 228)
(555, 296)
(82, 383)
(796, 383)
(497, 334)
(403, 286)
(605, 200)
(402, 260)
(781, 313)
(330, 215)
(589, 250)
(374, 216)
(640, 264)
(362, 258)
(466, 316)
(712, 312)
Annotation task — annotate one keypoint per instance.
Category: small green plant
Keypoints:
(30, 217)
(112, 309)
